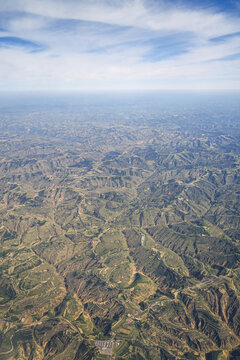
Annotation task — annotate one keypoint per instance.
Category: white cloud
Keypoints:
(100, 56)
(132, 13)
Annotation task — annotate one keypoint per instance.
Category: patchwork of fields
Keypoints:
(122, 233)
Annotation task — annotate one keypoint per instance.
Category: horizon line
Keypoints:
(9, 91)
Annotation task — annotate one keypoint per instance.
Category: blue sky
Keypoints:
(119, 44)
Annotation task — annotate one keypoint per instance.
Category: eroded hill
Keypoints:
(119, 231)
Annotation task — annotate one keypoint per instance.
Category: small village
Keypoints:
(106, 347)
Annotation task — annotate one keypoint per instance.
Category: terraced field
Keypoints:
(123, 232)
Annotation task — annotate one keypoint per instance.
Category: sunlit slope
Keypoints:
(119, 232)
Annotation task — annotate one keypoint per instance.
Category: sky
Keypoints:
(119, 45)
